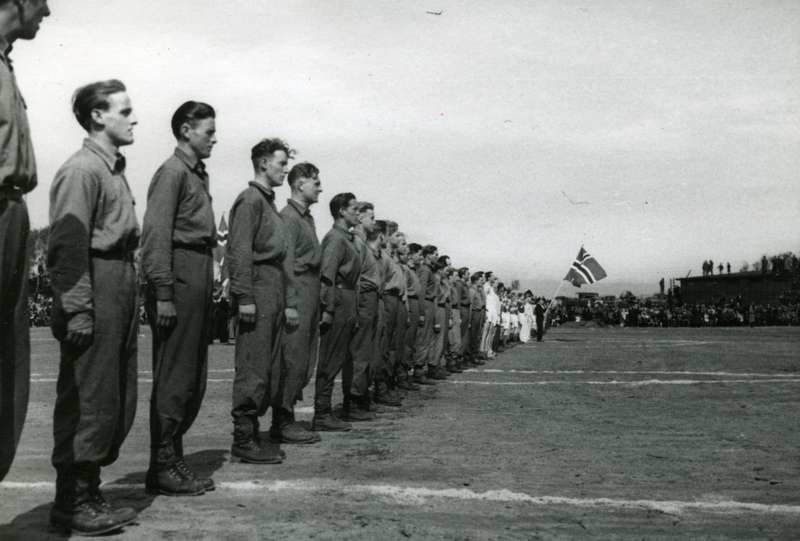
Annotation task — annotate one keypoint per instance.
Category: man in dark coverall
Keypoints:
(18, 20)
(370, 285)
(301, 336)
(93, 235)
(416, 316)
(539, 312)
(340, 269)
(256, 250)
(178, 235)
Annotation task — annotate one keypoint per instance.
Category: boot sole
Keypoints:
(295, 442)
(264, 462)
(69, 530)
(163, 492)
(326, 429)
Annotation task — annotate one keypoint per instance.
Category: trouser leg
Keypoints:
(300, 343)
(377, 365)
(392, 313)
(436, 351)
(362, 346)
(455, 333)
(180, 355)
(96, 390)
(411, 333)
(334, 351)
(14, 335)
(398, 351)
(465, 316)
(476, 328)
(258, 347)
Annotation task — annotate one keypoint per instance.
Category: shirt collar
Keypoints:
(343, 230)
(191, 162)
(298, 207)
(268, 193)
(115, 162)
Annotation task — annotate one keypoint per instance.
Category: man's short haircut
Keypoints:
(302, 170)
(442, 261)
(429, 249)
(364, 206)
(267, 147)
(381, 226)
(190, 112)
(463, 272)
(391, 227)
(475, 277)
(340, 201)
(93, 96)
(413, 248)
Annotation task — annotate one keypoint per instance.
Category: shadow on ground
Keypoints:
(126, 491)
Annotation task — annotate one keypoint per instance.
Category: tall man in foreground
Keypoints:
(256, 250)
(18, 20)
(301, 266)
(178, 235)
(93, 234)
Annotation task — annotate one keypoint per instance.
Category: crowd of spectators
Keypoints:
(724, 313)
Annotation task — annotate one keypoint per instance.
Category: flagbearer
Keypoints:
(178, 236)
(301, 265)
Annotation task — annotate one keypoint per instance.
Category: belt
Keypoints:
(430, 299)
(392, 292)
(442, 305)
(454, 306)
(122, 254)
(413, 297)
(10, 192)
(199, 248)
(345, 288)
(466, 304)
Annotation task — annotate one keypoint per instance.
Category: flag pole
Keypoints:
(553, 299)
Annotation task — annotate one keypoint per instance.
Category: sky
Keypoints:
(508, 133)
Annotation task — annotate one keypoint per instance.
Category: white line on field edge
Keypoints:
(633, 372)
(421, 495)
(627, 383)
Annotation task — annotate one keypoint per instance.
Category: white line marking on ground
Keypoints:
(215, 371)
(633, 372)
(627, 383)
(422, 495)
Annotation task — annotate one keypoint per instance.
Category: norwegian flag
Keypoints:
(585, 270)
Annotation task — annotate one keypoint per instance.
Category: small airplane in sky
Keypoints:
(574, 202)
(435, 12)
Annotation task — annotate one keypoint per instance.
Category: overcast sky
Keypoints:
(658, 134)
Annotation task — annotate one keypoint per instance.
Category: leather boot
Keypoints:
(328, 422)
(384, 396)
(206, 482)
(246, 446)
(124, 515)
(75, 510)
(421, 378)
(167, 480)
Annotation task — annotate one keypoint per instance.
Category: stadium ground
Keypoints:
(592, 434)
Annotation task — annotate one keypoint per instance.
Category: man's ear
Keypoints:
(96, 117)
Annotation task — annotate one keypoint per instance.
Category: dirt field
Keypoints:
(592, 434)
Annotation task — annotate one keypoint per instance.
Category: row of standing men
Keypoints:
(388, 315)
